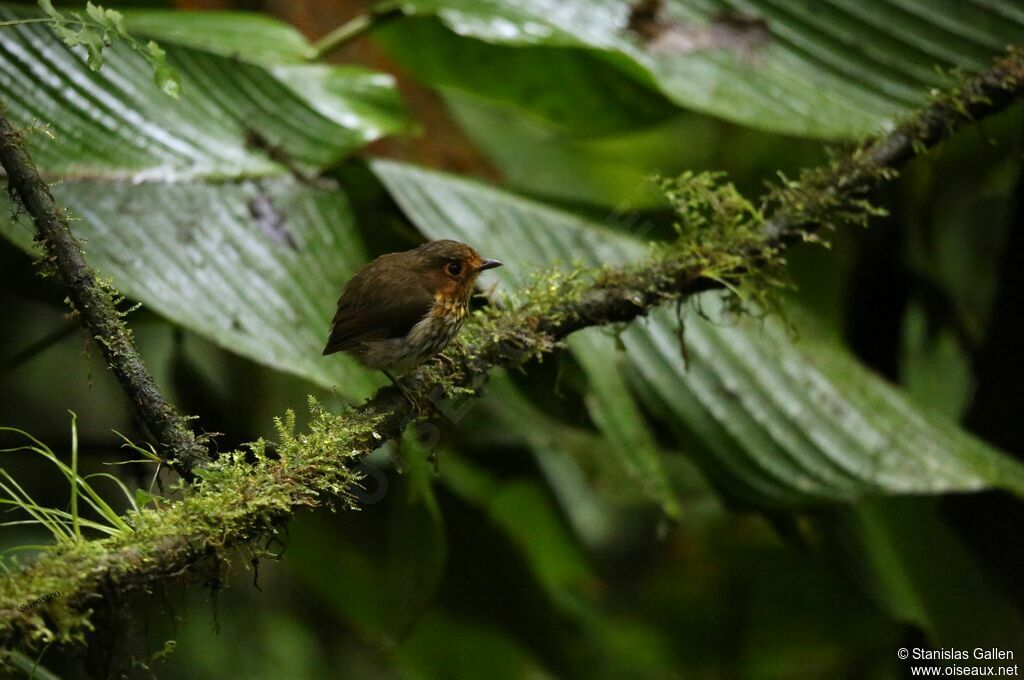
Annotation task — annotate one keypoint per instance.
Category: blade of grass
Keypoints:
(94, 500)
(149, 453)
(77, 482)
(124, 488)
(23, 500)
(87, 523)
(74, 474)
(55, 515)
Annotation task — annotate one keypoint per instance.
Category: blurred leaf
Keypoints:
(442, 646)
(588, 473)
(200, 208)
(615, 412)
(609, 170)
(803, 618)
(611, 645)
(958, 211)
(278, 641)
(957, 215)
(836, 68)
(382, 585)
(575, 462)
(249, 36)
(613, 170)
(934, 368)
(780, 422)
(572, 91)
(416, 540)
(525, 512)
(351, 587)
(920, 570)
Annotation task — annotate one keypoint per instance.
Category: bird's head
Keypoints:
(450, 267)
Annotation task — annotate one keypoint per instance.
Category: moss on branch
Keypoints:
(724, 242)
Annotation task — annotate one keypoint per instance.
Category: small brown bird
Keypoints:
(403, 308)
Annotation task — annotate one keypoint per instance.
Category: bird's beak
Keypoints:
(488, 264)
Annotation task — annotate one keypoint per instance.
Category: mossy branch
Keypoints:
(236, 501)
(831, 196)
(95, 303)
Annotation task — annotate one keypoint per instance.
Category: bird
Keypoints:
(402, 309)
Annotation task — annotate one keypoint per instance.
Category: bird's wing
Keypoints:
(368, 310)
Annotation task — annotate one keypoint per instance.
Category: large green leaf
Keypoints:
(785, 421)
(238, 119)
(207, 209)
(252, 37)
(831, 68)
(570, 91)
(609, 170)
(590, 473)
(618, 417)
(776, 421)
(256, 265)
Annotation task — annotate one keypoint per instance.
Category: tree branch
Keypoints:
(236, 501)
(95, 303)
(851, 177)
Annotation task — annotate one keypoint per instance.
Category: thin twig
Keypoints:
(95, 304)
(352, 29)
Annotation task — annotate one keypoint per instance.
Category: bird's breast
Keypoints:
(433, 333)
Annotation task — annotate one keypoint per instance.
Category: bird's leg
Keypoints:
(405, 391)
(397, 459)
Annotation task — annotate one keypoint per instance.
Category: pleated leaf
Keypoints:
(236, 119)
(825, 68)
(772, 420)
(207, 209)
(256, 266)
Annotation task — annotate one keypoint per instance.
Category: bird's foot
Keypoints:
(445, 361)
(397, 458)
(417, 407)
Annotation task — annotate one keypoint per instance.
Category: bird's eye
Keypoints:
(454, 268)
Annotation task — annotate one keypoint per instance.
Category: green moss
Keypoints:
(235, 500)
